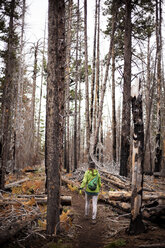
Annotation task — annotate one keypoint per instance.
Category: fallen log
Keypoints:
(162, 245)
(155, 214)
(15, 184)
(34, 195)
(65, 200)
(69, 182)
(123, 206)
(14, 227)
(117, 184)
(126, 196)
(119, 195)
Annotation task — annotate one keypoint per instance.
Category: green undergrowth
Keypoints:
(116, 244)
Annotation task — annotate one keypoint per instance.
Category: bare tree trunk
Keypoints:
(8, 99)
(86, 83)
(40, 101)
(149, 100)
(79, 115)
(113, 107)
(95, 134)
(19, 127)
(33, 103)
(118, 132)
(136, 224)
(125, 133)
(68, 51)
(55, 107)
(93, 70)
(97, 93)
(158, 151)
(76, 85)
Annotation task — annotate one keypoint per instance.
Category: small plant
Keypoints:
(116, 244)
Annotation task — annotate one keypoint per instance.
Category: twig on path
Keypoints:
(78, 226)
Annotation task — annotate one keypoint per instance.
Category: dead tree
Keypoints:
(93, 70)
(38, 146)
(86, 81)
(125, 132)
(8, 97)
(158, 151)
(55, 108)
(136, 224)
(94, 137)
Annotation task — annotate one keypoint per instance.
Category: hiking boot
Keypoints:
(93, 221)
(86, 217)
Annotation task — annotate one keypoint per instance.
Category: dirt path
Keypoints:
(109, 228)
(88, 234)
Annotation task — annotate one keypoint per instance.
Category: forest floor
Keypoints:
(76, 231)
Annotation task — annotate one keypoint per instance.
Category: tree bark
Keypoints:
(158, 151)
(55, 107)
(97, 91)
(79, 116)
(8, 99)
(76, 86)
(113, 107)
(93, 71)
(68, 58)
(33, 101)
(125, 133)
(19, 126)
(136, 224)
(38, 146)
(86, 83)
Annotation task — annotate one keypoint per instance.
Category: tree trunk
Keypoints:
(40, 101)
(8, 99)
(113, 107)
(158, 151)
(68, 57)
(55, 107)
(93, 71)
(96, 132)
(19, 126)
(79, 115)
(33, 101)
(149, 101)
(125, 133)
(136, 224)
(97, 92)
(76, 85)
(86, 83)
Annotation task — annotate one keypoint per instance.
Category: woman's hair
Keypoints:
(92, 167)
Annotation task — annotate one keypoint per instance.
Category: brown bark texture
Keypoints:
(125, 133)
(55, 107)
(8, 99)
(136, 224)
(86, 82)
(158, 151)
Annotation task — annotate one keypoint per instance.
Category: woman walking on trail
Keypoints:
(92, 181)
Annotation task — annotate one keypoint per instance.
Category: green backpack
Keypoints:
(92, 185)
